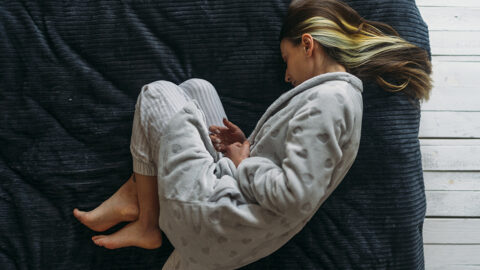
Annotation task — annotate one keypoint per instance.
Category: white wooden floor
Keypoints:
(450, 136)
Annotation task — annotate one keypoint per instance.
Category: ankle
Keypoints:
(148, 221)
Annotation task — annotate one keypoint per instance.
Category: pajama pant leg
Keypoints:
(156, 104)
(206, 96)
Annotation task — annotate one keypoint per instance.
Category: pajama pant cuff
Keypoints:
(143, 168)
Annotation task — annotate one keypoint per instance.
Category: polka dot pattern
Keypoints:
(197, 228)
(323, 137)
(307, 178)
(246, 240)
(314, 112)
(328, 163)
(260, 148)
(188, 110)
(284, 222)
(197, 187)
(214, 217)
(222, 240)
(297, 130)
(176, 148)
(302, 153)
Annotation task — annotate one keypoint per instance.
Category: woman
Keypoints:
(246, 205)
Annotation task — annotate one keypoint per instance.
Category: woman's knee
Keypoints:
(159, 99)
(158, 89)
(195, 87)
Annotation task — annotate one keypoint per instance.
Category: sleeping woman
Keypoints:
(224, 200)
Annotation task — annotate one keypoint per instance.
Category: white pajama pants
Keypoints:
(156, 104)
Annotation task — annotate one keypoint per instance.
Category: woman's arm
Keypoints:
(317, 141)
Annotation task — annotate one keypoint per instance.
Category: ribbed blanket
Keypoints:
(70, 73)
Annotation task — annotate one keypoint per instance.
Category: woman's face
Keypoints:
(299, 66)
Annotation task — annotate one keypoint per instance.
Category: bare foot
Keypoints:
(121, 206)
(137, 234)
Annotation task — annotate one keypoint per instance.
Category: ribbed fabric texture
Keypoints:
(70, 75)
(156, 105)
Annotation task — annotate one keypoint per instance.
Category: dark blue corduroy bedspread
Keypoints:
(70, 72)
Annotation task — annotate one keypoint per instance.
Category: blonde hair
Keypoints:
(369, 50)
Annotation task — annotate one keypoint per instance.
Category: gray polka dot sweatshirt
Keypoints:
(218, 216)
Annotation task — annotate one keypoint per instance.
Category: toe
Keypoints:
(78, 214)
(97, 237)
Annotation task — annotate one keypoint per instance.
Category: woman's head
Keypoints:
(369, 50)
(306, 60)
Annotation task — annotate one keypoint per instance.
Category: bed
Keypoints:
(70, 73)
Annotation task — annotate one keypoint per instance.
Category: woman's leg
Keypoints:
(156, 104)
(143, 232)
(121, 206)
(207, 97)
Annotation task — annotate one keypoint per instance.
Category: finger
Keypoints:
(222, 148)
(214, 138)
(214, 130)
(219, 147)
(245, 148)
(229, 124)
(237, 145)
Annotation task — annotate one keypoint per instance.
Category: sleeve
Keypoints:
(299, 185)
(235, 216)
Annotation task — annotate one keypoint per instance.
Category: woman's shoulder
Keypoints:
(342, 91)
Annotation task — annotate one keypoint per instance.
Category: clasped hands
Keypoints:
(231, 141)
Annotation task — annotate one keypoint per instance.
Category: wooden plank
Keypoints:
(448, 142)
(456, 81)
(453, 204)
(452, 257)
(450, 155)
(455, 42)
(452, 181)
(453, 99)
(445, 124)
(451, 18)
(448, 3)
(455, 71)
(451, 231)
